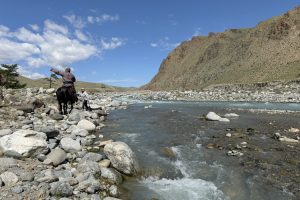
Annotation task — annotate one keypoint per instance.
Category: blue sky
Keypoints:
(117, 42)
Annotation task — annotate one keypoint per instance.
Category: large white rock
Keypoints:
(87, 125)
(212, 116)
(23, 143)
(70, 145)
(122, 157)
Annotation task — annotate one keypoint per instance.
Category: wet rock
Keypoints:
(234, 153)
(212, 116)
(70, 145)
(231, 115)
(294, 130)
(9, 178)
(61, 189)
(111, 175)
(23, 143)
(55, 157)
(122, 157)
(113, 191)
(287, 140)
(87, 125)
(168, 152)
(228, 134)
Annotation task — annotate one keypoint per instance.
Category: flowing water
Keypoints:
(167, 141)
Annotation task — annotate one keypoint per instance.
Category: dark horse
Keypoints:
(64, 96)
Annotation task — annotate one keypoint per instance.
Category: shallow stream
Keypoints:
(167, 139)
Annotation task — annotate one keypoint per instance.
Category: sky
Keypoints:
(116, 42)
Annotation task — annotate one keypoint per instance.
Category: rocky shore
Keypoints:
(45, 155)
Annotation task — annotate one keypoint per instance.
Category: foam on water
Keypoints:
(185, 188)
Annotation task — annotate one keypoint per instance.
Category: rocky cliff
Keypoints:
(270, 51)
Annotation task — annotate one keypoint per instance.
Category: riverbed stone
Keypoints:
(62, 189)
(212, 116)
(111, 175)
(70, 145)
(4, 132)
(23, 143)
(87, 125)
(122, 157)
(9, 178)
(56, 157)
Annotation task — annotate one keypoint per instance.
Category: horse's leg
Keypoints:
(65, 108)
(60, 108)
(71, 107)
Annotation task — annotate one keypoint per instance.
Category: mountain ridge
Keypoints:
(268, 52)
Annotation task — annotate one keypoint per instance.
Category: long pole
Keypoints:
(50, 81)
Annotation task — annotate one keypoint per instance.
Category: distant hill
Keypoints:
(268, 52)
(45, 83)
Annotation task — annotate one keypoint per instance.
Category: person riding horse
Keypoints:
(68, 88)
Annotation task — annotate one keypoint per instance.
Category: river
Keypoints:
(168, 140)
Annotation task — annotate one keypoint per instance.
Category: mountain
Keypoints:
(270, 51)
(45, 83)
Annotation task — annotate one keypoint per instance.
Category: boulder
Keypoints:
(122, 157)
(56, 157)
(212, 116)
(23, 143)
(70, 145)
(9, 178)
(62, 189)
(87, 125)
(80, 132)
(111, 175)
(50, 131)
(87, 166)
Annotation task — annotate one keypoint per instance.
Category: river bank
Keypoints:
(75, 171)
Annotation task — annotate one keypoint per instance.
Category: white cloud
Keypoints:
(29, 74)
(164, 44)
(103, 18)
(51, 26)
(11, 51)
(4, 31)
(81, 36)
(34, 27)
(76, 21)
(114, 42)
(153, 44)
(27, 36)
(53, 45)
